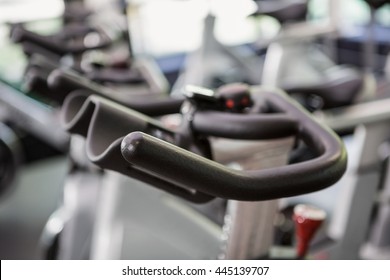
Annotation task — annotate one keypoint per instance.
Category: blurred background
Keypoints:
(204, 42)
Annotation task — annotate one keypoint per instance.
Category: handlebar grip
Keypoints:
(55, 44)
(113, 75)
(74, 30)
(79, 111)
(104, 123)
(19, 35)
(30, 49)
(152, 105)
(187, 170)
(238, 126)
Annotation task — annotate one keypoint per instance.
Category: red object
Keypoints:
(229, 104)
(308, 220)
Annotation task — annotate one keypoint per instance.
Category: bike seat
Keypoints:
(339, 87)
(283, 11)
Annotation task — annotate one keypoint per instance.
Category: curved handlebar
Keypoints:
(151, 104)
(238, 126)
(184, 169)
(196, 178)
(59, 44)
(104, 124)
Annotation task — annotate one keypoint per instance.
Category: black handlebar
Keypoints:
(237, 126)
(61, 44)
(153, 104)
(196, 178)
(184, 169)
(104, 124)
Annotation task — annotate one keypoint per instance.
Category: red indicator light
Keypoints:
(229, 104)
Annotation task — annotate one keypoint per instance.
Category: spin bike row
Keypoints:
(128, 219)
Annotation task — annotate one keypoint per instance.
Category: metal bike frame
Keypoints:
(352, 216)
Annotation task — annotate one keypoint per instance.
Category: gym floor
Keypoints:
(25, 210)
